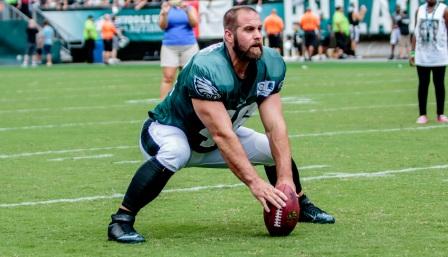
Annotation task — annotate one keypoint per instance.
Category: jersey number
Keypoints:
(238, 118)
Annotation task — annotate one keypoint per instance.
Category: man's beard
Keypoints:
(246, 55)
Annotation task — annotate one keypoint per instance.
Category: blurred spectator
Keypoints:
(404, 43)
(14, 3)
(273, 25)
(341, 29)
(298, 42)
(24, 7)
(2, 7)
(355, 16)
(31, 32)
(48, 35)
(325, 37)
(115, 43)
(90, 36)
(179, 44)
(288, 46)
(108, 32)
(39, 47)
(310, 24)
(395, 32)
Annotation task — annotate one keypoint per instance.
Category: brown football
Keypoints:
(281, 222)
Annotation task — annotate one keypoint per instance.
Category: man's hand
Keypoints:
(264, 193)
(287, 182)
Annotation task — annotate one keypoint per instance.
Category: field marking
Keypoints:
(69, 125)
(77, 158)
(82, 124)
(71, 108)
(351, 132)
(223, 186)
(351, 108)
(333, 133)
(40, 98)
(128, 161)
(17, 155)
(287, 100)
(143, 101)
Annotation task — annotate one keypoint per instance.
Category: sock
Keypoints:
(123, 211)
(271, 173)
(146, 185)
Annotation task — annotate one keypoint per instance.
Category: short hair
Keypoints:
(46, 22)
(231, 16)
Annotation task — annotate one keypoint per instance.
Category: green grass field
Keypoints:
(69, 147)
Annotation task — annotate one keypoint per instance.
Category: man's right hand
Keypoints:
(265, 192)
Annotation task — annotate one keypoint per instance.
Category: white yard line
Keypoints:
(365, 131)
(350, 108)
(17, 155)
(69, 125)
(68, 108)
(143, 101)
(221, 186)
(333, 133)
(128, 162)
(77, 158)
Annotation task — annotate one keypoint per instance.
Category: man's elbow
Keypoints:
(222, 137)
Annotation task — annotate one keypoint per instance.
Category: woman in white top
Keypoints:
(430, 53)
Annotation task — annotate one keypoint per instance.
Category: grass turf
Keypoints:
(71, 131)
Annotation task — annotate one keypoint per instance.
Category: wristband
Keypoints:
(412, 53)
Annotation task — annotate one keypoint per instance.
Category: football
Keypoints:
(281, 222)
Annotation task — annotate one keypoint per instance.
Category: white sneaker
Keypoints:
(442, 119)
(422, 119)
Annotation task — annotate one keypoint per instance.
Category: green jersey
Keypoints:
(209, 75)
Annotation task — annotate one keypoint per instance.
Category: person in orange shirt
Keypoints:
(108, 31)
(310, 24)
(273, 25)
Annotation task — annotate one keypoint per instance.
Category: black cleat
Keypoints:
(310, 213)
(121, 229)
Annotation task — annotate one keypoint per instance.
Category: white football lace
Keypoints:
(278, 218)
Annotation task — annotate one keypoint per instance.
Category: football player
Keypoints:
(199, 124)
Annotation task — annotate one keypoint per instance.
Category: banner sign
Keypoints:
(142, 25)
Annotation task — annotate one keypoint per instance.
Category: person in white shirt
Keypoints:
(430, 54)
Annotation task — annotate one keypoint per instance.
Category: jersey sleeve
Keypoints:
(275, 76)
(201, 85)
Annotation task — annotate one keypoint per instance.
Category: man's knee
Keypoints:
(174, 156)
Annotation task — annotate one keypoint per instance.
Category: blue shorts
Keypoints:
(47, 49)
(31, 49)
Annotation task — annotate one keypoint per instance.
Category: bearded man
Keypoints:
(199, 124)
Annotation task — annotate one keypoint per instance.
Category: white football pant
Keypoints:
(175, 152)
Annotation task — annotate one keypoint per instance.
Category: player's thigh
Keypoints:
(256, 146)
(168, 144)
